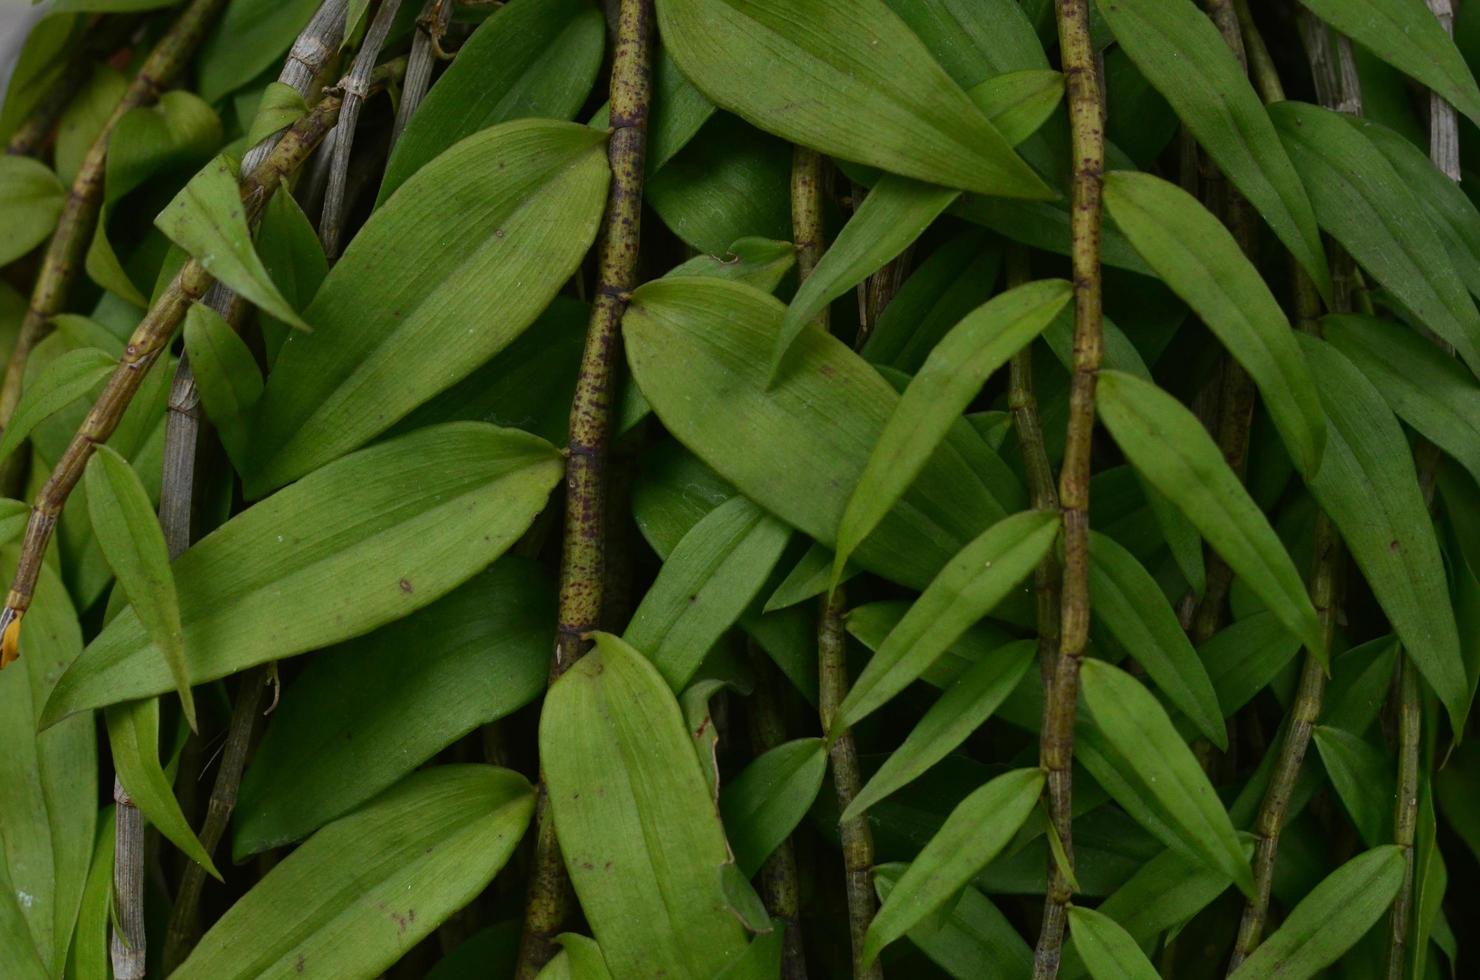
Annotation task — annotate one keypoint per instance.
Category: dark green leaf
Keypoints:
(70, 377)
(1108, 951)
(133, 733)
(31, 197)
(226, 375)
(1362, 776)
(764, 804)
(973, 940)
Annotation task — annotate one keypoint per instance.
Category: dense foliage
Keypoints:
(740, 489)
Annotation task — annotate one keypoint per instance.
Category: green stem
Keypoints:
(582, 565)
(74, 229)
(1056, 748)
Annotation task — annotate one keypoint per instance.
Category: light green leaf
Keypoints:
(133, 543)
(1426, 389)
(531, 59)
(84, 118)
(48, 782)
(363, 541)
(973, 940)
(1243, 658)
(88, 958)
(1363, 203)
(964, 706)
(31, 197)
(74, 375)
(208, 221)
(698, 349)
(291, 252)
(370, 886)
(1362, 775)
(583, 959)
(808, 577)
(226, 375)
(249, 38)
(1162, 766)
(704, 585)
(133, 733)
(1132, 606)
(952, 376)
(280, 107)
(419, 300)
(761, 959)
(897, 209)
(1330, 919)
(1406, 35)
(759, 262)
(974, 40)
(1171, 449)
(1196, 256)
(380, 705)
(637, 825)
(1182, 54)
(1109, 952)
(975, 832)
(764, 804)
(1370, 489)
(971, 584)
(874, 94)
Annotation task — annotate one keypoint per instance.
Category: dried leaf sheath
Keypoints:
(80, 213)
(149, 340)
(582, 565)
(1087, 134)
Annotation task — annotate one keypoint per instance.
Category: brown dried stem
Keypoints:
(431, 27)
(582, 565)
(126, 944)
(1087, 134)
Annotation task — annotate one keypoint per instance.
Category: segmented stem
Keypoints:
(1405, 811)
(126, 944)
(583, 559)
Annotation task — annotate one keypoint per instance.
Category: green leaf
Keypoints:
(1359, 771)
(698, 350)
(280, 107)
(88, 958)
(582, 957)
(76, 374)
(637, 825)
(704, 585)
(1369, 487)
(964, 706)
(133, 733)
(419, 299)
(759, 262)
(874, 94)
(975, 832)
(294, 257)
(531, 59)
(764, 804)
(1406, 35)
(133, 543)
(84, 119)
(1196, 256)
(1132, 606)
(48, 781)
(1363, 203)
(249, 38)
(952, 376)
(1171, 449)
(368, 887)
(226, 375)
(897, 209)
(677, 112)
(31, 197)
(1242, 659)
(761, 959)
(1139, 731)
(1183, 55)
(363, 541)
(208, 221)
(1330, 919)
(1107, 950)
(1425, 388)
(971, 584)
(973, 940)
(374, 712)
(974, 39)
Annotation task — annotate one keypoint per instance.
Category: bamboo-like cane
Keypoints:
(1087, 137)
(149, 340)
(356, 87)
(126, 943)
(80, 211)
(583, 559)
(431, 26)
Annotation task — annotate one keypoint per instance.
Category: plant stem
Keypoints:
(1261, 63)
(1405, 810)
(127, 943)
(431, 26)
(149, 340)
(1056, 749)
(184, 926)
(857, 838)
(356, 86)
(104, 36)
(779, 880)
(582, 560)
(74, 229)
